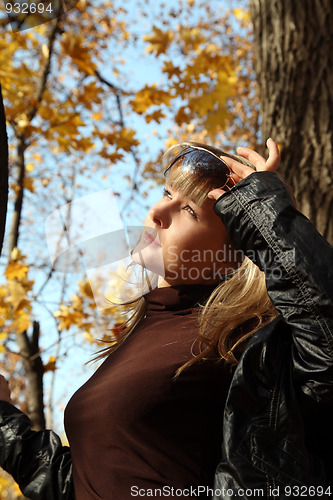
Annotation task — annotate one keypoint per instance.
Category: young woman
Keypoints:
(211, 375)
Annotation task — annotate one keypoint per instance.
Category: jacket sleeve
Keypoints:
(36, 459)
(297, 261)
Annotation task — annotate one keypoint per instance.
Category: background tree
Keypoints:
(294, 65)
(3, 171)
(8, 490)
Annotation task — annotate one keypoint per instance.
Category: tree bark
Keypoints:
(294, 64)
(34, 369)
(18, 205)
(3, 171)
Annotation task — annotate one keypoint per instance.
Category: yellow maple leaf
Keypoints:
(16, 254)
(22, 322)
(158, 41)
(126, 139)
(69, 317)
(242, 14)
(182, 116)
(29, 184)
(97, 116)
(50, 365)
(77, 303)
(171, 70)
(157, 116)
(73, 45)
(191, 37)
(17, 294)
(150, 96)
(16, 270)
(4, 483)
(90, 94)
(15, 187)
(91, 339)
(85, 289)
(171, 141)
(8, 487)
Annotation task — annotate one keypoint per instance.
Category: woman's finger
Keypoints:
(273, 160)
(262, 165)
(215, 193)
(237, 168)
(236, 178)
(255, 158)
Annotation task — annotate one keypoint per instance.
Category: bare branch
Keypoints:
(43, 81)
(117, 92)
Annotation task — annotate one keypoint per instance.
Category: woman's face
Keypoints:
(190, 242)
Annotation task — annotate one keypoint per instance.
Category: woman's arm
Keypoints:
(297, 261)
(37, 460)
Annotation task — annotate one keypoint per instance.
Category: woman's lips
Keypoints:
(150, 239)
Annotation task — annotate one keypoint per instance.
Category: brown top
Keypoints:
(131, 426)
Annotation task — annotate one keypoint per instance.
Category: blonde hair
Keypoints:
(237, 307)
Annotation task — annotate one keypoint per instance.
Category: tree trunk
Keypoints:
(18, 205)
(34, 369)
(3, 171)
(28, 345)
(294, 64)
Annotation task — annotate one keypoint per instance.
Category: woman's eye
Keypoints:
(191, 211)
(188, 209)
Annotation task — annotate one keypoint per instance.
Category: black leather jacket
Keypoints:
(278, 417)
(282, 387)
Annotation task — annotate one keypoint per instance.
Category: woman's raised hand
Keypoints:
(240, 171)
(4, 390)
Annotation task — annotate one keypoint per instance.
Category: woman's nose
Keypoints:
(160, 215)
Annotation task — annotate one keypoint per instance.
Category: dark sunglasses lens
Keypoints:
(203, 164)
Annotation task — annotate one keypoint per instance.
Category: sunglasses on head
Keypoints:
(203, 163)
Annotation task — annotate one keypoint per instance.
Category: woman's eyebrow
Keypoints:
(187, 198)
